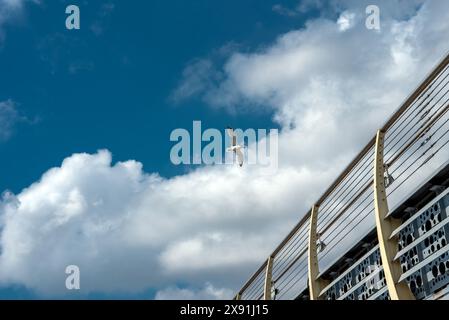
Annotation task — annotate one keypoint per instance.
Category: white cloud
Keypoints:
(196, 77)
(284, 11)
(96, 216)
(206, 293)
(129, 230)
(346, 20)
(11, 4)
(9, 116)
(9, 9)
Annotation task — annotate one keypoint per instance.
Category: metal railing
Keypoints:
(416, 142)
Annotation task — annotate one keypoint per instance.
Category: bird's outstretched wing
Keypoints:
(239, 156)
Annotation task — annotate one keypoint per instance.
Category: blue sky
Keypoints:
(109, 84)
(135, 224)
(82, 91)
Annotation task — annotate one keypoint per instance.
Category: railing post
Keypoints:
(315, 284)
(385, 226)
(268, 279)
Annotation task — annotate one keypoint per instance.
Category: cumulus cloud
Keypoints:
(319, 77)
(129, 230)
(116, 223)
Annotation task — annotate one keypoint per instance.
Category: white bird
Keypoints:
(237, 149)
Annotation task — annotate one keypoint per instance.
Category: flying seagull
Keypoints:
(237, 149)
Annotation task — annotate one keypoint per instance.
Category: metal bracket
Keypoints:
(315, 285)
(268, 279)
(385, 226)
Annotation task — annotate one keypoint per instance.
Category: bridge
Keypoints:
(381, 230)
